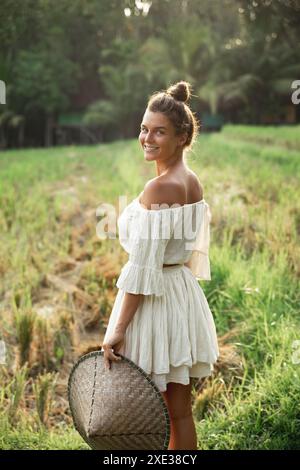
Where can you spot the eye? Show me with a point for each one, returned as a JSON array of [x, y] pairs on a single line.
[[160, 132]]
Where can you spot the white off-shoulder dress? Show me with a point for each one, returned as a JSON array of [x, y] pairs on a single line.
[[172, 335]]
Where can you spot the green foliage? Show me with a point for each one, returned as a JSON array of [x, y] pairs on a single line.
[[250, 180], [241, 65], [25, 321], [266, 418], [43, 388], [43, 80], [285, 136], [15, 391], [18, 437]]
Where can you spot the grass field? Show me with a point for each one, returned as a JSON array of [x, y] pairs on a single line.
[[58, 283]]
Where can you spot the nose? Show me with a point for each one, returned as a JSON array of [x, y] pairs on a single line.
[[148, 139]]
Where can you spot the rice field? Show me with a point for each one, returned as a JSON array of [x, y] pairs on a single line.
[[58, 283]]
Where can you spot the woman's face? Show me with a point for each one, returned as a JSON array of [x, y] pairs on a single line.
[[157, 137]]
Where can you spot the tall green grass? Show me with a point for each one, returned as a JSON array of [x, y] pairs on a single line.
[[285, 136], [250, 180]]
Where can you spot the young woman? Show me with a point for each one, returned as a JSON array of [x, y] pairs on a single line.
[[161, 319]]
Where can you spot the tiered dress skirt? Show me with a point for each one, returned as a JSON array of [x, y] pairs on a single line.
[[171, 337]]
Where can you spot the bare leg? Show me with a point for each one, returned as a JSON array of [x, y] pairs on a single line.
[[183, 434], [183, 431]]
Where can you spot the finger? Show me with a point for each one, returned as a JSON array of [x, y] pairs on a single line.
[[106, 360], [111, 355], [112, 358]]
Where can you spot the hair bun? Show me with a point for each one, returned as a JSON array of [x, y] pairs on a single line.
[[180, 91]]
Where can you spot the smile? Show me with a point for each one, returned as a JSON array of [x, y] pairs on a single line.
[[147, 147]]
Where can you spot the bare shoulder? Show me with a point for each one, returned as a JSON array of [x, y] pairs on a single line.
[[195, 187], [159, 192]]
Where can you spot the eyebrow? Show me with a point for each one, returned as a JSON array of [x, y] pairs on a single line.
[[159, 127]]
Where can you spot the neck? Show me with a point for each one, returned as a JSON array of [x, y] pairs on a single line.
[[166, 166]]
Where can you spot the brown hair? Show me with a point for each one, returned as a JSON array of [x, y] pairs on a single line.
[[172, 103]]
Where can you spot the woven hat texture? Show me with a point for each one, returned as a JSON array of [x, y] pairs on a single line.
[[117, 409]]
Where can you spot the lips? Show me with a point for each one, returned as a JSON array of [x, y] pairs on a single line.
[[150, 148]]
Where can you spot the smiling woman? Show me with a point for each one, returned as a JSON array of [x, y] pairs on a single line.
[[161, 319], [147, 146], [166, 124]]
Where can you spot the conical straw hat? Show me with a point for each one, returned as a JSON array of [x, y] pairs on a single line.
[[119, 408]]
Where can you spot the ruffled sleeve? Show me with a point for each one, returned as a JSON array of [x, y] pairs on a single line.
[[142, 274], [199, 262]]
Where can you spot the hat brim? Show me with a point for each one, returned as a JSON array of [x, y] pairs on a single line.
[[117, 409]]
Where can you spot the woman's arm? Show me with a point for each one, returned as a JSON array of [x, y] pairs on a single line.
[[129, 307], [116, 340]]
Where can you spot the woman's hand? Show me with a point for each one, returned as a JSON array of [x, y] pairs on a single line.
[[113, 344]]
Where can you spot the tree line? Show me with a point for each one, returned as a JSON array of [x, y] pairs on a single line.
[[104, 58]]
